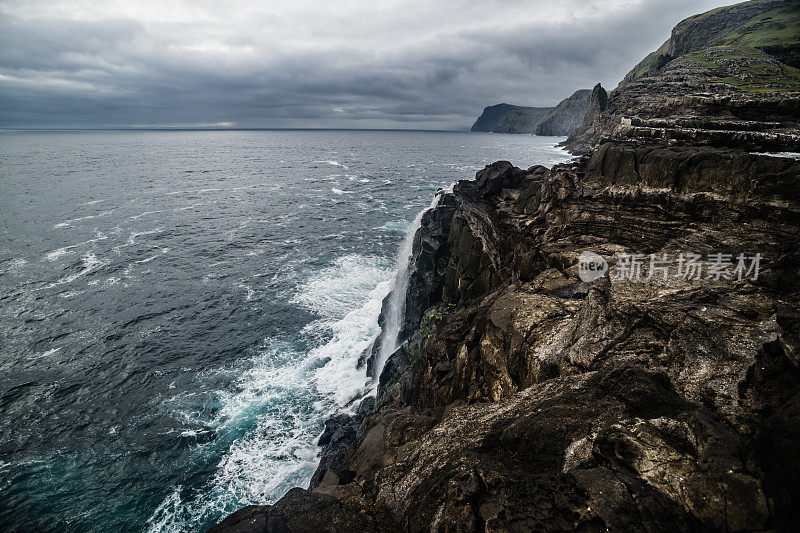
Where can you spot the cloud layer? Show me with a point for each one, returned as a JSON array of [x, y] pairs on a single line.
[[409, 64]]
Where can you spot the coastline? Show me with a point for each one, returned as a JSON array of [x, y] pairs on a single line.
[[577, 388], [610, 343]]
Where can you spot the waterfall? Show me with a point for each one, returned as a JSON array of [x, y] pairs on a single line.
[[396, 305]]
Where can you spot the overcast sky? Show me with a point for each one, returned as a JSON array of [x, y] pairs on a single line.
[[354, 64]]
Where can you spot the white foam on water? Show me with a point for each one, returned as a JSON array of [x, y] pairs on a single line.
[[397, 226], [68, 223], [136, 234], [275, 409], [14, 264], [336, 190], [55, 255], [166, 512], [90, 262], [70, 294], [61, 252], [338, 378], [45, 354], [192, 206], [334, 163], [250, 291], [345, 283]]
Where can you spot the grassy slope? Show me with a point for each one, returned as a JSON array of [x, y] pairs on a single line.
[[777, 26], [766, 25], [649, 65], [747, 69]]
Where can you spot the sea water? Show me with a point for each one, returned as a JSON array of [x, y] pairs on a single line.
[[180, 311]]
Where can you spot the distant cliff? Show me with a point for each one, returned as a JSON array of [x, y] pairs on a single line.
[[566, 116], [560, 120], [507, 118]]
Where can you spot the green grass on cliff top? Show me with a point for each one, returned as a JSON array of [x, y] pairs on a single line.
[[747, 69], [776, 25]]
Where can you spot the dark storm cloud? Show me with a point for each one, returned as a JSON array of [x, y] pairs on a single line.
[[352, 64]]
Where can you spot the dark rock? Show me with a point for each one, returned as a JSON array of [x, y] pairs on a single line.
[[525, 398], [250, 519], [302, 511], [584, 134], [340, 435], [695, 169]]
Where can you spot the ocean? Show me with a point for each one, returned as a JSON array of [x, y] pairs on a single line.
[[180, 311]]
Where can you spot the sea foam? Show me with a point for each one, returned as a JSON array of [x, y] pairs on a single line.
[[273, 415]]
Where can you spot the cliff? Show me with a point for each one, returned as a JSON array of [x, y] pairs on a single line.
[[610, 344], [726, 78], [527, 398], [769, 26], [507, 118], [566, 116], [558, 121]]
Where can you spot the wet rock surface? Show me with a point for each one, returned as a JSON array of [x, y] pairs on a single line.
[[527, 399]]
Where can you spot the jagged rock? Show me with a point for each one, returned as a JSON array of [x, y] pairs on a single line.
[[583, 135], [303, 511], [523, 397], [336, 441]]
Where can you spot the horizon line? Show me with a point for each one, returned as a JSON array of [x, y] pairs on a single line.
[[128, 128]]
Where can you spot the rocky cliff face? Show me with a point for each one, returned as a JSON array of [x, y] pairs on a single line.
[[558, 121], [566, 116], [659, 391], [724, 79], [529, 399], [585, 134]]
